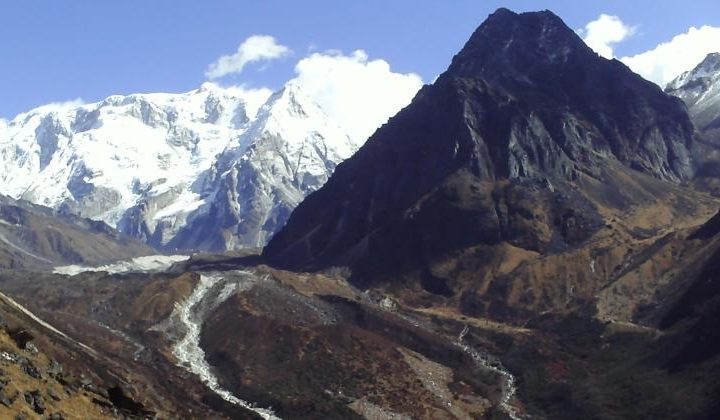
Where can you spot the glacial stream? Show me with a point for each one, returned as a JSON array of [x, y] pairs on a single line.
[[482, 360], [485, 361], [186, 325]]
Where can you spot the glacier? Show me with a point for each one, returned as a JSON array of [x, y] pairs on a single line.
[[222, 167]]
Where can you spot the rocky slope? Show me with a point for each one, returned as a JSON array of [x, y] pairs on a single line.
[[147, 163], [34, 384], [34, 237], [524, 250], [260, 343], [529, 138], [546, 200], [699, 88]]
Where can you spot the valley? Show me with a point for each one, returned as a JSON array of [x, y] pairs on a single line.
[[535, 236]]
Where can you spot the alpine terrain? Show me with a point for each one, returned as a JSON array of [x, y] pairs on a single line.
[[699, 88], [149, 164], [535, 236]]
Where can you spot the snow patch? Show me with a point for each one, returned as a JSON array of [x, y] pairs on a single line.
[[140, 264]]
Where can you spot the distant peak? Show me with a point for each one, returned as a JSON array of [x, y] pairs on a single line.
[[291, 99], [292, 93], [711, 61], [708, 67], [208, 87]]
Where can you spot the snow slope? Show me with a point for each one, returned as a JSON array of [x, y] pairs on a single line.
[[289, 151], [699, 88], [146, 163]]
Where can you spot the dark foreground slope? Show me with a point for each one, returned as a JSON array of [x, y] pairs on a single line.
[[529, 138], [35, 237]]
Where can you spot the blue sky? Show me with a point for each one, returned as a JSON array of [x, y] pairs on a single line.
[[60, 50]]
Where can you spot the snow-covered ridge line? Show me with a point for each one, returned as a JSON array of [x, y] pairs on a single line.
[[145, 264], [150, 165], [187, 319], [699, 88]]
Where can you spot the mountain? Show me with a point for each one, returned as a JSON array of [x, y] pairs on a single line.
[[287, 152], [528, 139], [699, 88], [537, 186], [33, 237], [146, 163], [523, 241]]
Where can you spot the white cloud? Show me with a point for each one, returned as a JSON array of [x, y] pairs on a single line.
[[255, 48], [359, 94], [604, 32], [670, 59]]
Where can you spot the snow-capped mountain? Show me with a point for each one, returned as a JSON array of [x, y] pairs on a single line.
[[147, 163], [287, 152], [699, 88]]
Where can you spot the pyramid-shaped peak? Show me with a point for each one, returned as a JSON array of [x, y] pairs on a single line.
[[510, 43]]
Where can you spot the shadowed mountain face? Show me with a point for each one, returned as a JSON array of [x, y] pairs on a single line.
[[528, 138]]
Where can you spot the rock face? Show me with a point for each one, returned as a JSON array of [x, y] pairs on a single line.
[[146, 163], [287, 152], [699, 88], [35, 237], [502, 147]]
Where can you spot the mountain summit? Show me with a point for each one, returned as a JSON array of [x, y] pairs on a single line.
[[150, 164], [699, 88], [529, 138], [287, 152]]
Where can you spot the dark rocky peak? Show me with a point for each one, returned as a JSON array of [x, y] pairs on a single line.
[[537, 66], [497, 149], [517, 46]]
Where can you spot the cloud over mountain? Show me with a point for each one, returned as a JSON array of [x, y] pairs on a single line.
[[357, 92], [253, 49]]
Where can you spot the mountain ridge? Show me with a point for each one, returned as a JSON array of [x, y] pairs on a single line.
[[486, 155], [148, 163], [699, 88]]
